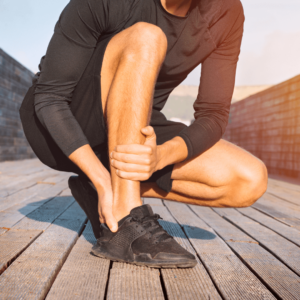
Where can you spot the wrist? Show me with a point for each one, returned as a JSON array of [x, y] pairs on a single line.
[[85, 158], [100, 177], [161, 151], [173, 151], [102, 181]]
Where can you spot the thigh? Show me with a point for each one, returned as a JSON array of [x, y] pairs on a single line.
[[221, 165]]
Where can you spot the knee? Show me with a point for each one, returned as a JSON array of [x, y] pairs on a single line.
[[253, 184], [148, 41]]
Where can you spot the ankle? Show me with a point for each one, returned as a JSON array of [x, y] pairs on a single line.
[[122, 209]]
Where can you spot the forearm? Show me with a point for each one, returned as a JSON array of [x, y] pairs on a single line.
[[202, 134], [55, 115], [171, 152], [85, 158]]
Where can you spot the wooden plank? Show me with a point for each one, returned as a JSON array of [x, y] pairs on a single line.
[[280, 247], [25, 194], [31, 275], [154, 202], [23, 168], [11, 182], [189, 283], [12, 166], [43, 189], [284, 206], [16, 185], [134, 283], [83, 275], [32, 170], [12, 215], [285, 194], [21, 196], [43, 216], [15, 162], [6, 180], [273, 273], [226, 211], [269, 205], [289, 233], [290, 186], [14, 171], [233, 279], [13, 243], [289, 195], [270, 211]]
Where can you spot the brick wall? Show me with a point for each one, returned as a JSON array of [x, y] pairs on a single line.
[[14, 82], [267, 124]]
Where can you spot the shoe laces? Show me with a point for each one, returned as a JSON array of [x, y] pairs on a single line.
[[152, 226]]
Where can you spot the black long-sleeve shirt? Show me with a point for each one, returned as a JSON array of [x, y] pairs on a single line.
[[210, 35]]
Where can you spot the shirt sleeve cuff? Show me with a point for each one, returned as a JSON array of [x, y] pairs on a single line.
[[188, 144], [74, 146]]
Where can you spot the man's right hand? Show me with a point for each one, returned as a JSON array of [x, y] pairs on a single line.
[[85, 158]]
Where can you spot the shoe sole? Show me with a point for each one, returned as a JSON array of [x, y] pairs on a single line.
[[154, 264]]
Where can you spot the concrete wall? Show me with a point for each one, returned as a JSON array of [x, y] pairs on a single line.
[[14, 82], [267, 124]]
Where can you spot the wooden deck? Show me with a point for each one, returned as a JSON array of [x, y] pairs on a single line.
[[45, 242]]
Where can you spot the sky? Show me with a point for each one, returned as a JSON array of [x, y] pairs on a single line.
[[270, 50]]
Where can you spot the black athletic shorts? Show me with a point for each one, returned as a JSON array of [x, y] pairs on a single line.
[[86, 106]]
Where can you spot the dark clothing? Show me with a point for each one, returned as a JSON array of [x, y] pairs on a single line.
[[68, 110], [87, 111], [210, 34]]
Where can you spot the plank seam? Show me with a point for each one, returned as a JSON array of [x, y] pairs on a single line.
[[272, 217], [260, 244], [66, 254], [24, 216], [25, 188], [83, 227], [29, 186], [279, 197], [18, 254], [49, 224], [43, 230], [244, 261], [262, 224], [18, 203], [108, 279], [163, 286], [238, 256], [252, 270], [59, 268], [182, 227]]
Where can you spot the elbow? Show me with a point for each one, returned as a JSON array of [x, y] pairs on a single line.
[[215, 120]]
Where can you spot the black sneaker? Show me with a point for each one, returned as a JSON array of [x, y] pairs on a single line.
[[141, 240]]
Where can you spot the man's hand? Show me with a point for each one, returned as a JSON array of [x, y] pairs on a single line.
[[137, 162], [105, 202], [85, 158]]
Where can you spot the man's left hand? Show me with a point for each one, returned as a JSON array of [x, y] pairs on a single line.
[[137, 162]]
